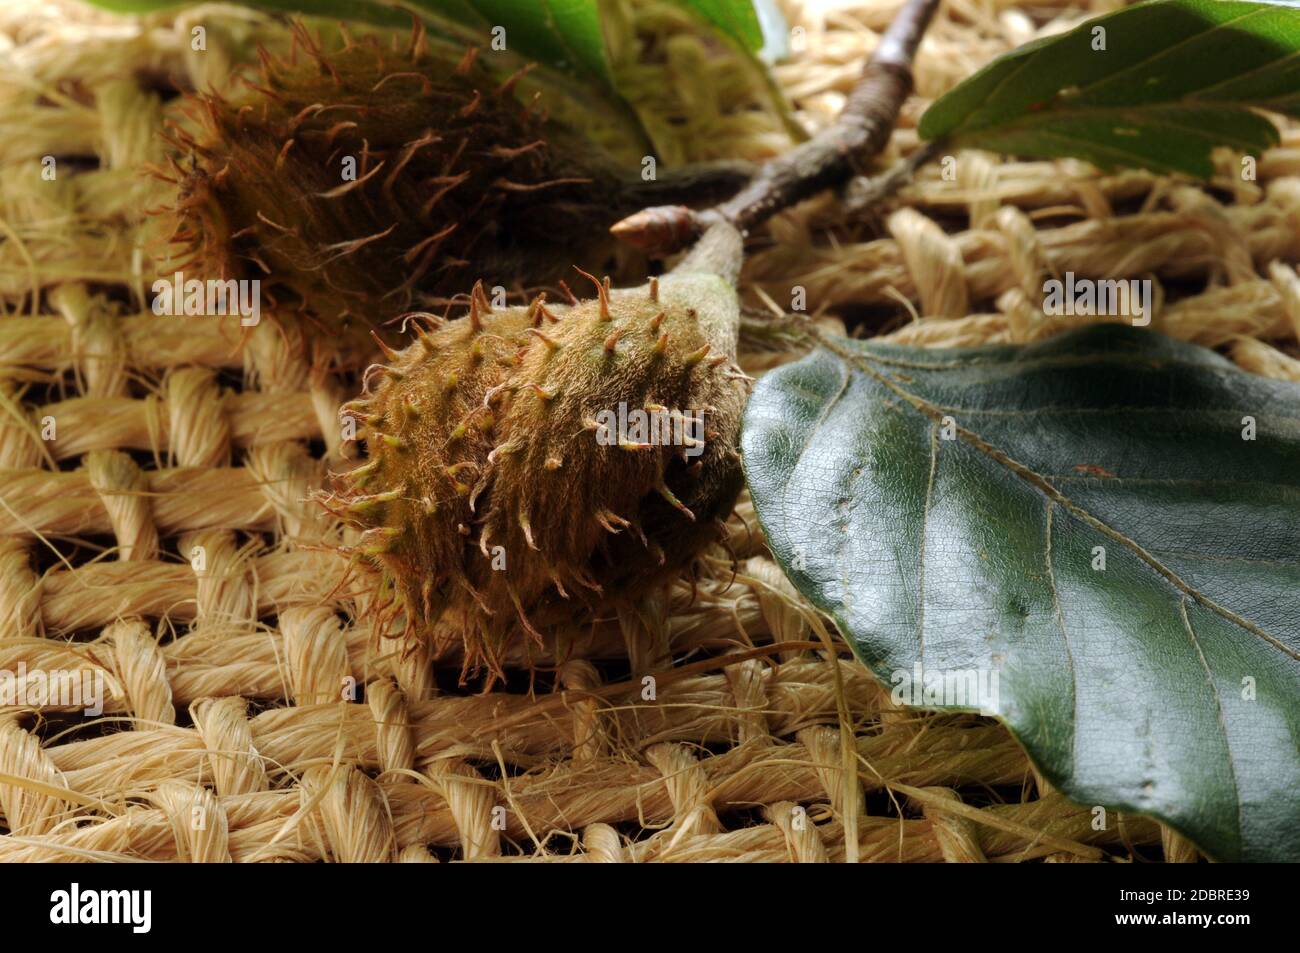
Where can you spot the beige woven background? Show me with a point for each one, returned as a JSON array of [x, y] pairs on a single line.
[[225, 736]]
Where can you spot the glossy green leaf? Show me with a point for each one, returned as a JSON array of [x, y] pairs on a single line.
[[1163, 680], [1175, 79]]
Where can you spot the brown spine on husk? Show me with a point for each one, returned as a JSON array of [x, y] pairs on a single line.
[[498, 497]]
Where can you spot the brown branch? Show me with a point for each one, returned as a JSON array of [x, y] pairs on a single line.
[[839, 151]]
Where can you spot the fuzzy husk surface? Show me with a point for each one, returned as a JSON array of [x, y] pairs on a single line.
[[493, 502], [358, 183]]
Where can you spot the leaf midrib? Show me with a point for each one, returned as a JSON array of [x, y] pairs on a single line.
[[1037, 123], [926, 408]]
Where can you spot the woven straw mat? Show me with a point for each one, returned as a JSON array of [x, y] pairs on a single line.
[[224, 736]]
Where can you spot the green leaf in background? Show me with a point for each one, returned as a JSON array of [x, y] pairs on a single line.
[[566, 36], [738, 20], [562, 34], [1166, 683], [1176, 79]]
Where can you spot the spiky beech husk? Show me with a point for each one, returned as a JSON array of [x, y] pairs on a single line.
[[452, 176], [498, 496]]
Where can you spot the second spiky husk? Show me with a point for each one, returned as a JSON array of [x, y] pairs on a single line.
[[354, 182], [497, 499]]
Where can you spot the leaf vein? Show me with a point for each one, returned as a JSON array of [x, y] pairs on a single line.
[[925, 531], [1218, 710], [921, 405], [1065, 638]]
